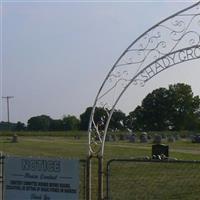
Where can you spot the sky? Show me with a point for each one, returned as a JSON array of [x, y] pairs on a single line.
[[56, 54]]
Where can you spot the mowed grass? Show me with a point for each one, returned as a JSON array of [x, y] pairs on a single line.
[[155, 180], [127, 181], [45, 146], [68, 147]]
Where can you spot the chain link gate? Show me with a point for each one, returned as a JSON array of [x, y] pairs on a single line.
[[152, 179]]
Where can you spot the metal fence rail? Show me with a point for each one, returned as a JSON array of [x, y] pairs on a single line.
[[136, 179]]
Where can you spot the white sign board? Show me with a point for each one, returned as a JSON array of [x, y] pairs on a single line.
[[41, 179]]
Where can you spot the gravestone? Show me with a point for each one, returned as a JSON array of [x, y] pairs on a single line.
[[109, 138], [177, 137], [121, 137], [171, 138], [196, 139], [132, 138], [15, 138], [77, 137], [160, 151], [143, 137], [149, 137], [163, 136], [157, 139], [114, 138]]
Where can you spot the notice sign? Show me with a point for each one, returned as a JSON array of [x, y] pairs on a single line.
[[41, 179]]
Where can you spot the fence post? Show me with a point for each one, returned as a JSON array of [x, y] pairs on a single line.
[[108, 179], [88, 178], [100, 178], [1, 174]]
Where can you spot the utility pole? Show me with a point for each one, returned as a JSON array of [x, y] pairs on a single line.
[[8, 111]]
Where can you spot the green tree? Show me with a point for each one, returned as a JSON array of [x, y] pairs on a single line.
[[117, 121], [7, 126], [100, 117], [155, 108], [85, 118], [39, 123], [71, 123], [134, 121], [56, 125], [174, 108], [184, 107], [20, 126]]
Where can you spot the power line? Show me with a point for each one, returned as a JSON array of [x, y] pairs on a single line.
[[8, 110]]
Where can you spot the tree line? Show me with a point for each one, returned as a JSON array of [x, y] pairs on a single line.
[[173, 108]]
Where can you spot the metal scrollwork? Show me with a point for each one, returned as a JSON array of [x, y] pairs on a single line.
[[172, 41]]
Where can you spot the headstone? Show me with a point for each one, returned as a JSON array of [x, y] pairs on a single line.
[[15, 138], [171, 138], [149, 137], [163, 136], [108, 138], [132, 138], [77, 137], [177, 137], [196, 139], [114, 138], [143, 137], [127, 136], [121, 137], [160, 151], [157, 139]]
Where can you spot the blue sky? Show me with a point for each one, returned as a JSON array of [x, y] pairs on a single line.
[[55, 55]]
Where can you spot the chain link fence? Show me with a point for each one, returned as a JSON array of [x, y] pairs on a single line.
[[136, 179]]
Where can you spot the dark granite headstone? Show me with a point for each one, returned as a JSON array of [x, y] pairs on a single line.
[[196, 139], [160, 150]]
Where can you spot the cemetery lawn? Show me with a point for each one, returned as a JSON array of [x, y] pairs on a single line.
[[68, 147]]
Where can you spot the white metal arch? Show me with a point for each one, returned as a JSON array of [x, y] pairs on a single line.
[[174, 40]]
